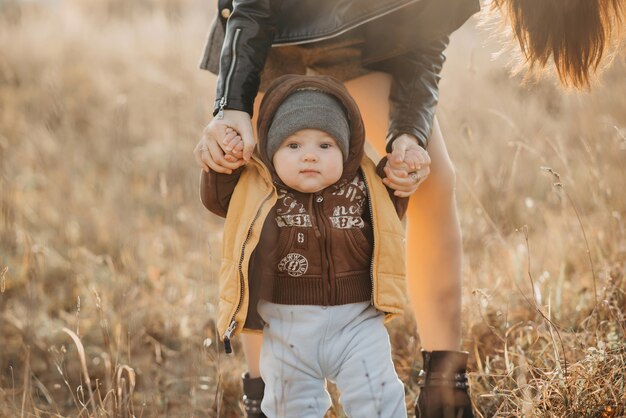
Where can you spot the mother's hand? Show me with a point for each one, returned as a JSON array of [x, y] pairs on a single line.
[[407, 167], [214, 149]]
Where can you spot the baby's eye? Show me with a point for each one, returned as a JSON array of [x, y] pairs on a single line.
[[293, 145], [325, 146]]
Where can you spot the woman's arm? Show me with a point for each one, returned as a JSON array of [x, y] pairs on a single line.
[[248, 38], [413, 98], [415, 91], [249, 33]]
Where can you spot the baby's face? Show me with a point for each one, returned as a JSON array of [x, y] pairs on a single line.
[[309, 161]]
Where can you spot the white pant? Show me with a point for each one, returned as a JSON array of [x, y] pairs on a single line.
[[348, 344]]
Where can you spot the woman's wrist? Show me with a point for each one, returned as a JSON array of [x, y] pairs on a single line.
[[393, 135], [411, 137]]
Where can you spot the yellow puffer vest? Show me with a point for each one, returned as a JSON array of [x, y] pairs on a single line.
[[250, 204]]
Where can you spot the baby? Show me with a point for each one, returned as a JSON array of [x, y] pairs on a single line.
[[313, 254]]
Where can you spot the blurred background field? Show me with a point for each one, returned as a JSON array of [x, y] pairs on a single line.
[[108, 261]]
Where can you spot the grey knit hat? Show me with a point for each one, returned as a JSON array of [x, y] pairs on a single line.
[[309, 109]]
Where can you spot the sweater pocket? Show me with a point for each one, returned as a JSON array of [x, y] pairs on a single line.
[[351, 251], [284, 243]]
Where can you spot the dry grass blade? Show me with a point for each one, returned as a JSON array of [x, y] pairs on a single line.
[[83, 365], [125, 397], [558, 186], [3, 279], [25, 391]]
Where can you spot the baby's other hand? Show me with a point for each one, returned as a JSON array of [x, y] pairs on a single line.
[[233, 145], [403, 182], [407, 166]]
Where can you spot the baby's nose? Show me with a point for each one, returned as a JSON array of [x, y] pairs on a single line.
[[310, 156]]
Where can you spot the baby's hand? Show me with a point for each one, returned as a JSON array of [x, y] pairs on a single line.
[[407, 166], [233, 146]]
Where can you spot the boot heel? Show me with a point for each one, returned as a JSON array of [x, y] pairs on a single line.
[[253, 396]]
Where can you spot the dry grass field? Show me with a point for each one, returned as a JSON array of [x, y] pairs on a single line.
[[107, 259]]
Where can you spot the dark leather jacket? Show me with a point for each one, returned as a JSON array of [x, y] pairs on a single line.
[[405, 38]]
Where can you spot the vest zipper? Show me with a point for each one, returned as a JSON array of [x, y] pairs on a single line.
[[232, 326], [231, 70], [369, 204]]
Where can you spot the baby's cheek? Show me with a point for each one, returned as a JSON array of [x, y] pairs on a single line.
[[286, 173], [337, 170], [337, 175]]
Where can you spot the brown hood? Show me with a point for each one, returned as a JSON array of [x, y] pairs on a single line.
[[283, 86]]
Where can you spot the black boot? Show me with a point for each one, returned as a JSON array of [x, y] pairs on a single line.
[[443, 386], [252, 396]]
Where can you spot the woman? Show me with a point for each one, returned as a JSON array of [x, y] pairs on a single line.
[[389, 54]]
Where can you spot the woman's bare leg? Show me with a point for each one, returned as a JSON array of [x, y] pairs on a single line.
[[433, 232], [251, 345]]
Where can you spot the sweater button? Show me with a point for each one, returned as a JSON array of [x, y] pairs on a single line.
[[225, 13], [319, 199]]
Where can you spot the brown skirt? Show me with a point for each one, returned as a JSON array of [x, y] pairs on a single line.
[[339, 57]]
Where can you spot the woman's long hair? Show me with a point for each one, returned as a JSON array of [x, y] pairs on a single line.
[[575, 33]]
